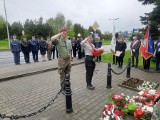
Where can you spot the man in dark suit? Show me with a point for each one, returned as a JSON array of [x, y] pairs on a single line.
[[135, 45], [26, 49]]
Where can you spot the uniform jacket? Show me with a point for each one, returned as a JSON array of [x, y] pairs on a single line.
[[43, 47], [34, 45], [157, 47], [26, 46], [15, 46]]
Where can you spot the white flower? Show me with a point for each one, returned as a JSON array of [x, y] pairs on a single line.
[[147, 108], [141, 93], [109, 113], [107, 118], [152, 92]]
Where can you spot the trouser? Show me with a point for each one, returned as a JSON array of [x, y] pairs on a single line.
[[49, 53], [16, 57], [74, 51], [90, 66], [26, 57], [120, 61], [99, 58], [64, 67], [135, 55], [35, 56], [79, 53], [114, 59], [146, 63], [157, 61]]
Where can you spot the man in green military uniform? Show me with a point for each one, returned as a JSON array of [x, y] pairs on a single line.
[[64, 48]]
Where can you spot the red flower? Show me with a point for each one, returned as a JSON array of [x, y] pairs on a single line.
[[119, 113], [138, 113], [118, 103]]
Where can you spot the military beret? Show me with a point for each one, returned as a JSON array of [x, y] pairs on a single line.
[[63, 30]]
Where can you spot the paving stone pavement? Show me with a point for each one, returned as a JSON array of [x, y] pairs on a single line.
[[28, 94]]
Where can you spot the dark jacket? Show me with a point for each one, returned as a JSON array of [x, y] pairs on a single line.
[[15, 46], [26, 46], [34, 45], [43, 47], [121, 46], [157, 47], [136, 46]]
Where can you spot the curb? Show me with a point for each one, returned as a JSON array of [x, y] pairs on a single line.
[[33, 73]]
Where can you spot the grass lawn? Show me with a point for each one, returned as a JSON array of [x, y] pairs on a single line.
[[4, 45], [107, 57], [106, 42]]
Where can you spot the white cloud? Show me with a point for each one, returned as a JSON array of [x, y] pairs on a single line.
[[85, 12]]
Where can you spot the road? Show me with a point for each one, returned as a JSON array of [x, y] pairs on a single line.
[[6, 57]]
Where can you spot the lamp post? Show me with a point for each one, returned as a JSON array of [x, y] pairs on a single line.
[[6, 23], [113, 34], [113, 42]]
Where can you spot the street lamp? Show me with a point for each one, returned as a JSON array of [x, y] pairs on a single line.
[[113, 34], [6, 23]]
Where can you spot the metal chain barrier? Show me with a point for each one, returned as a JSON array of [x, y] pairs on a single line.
[[120, 72], [16, 117]]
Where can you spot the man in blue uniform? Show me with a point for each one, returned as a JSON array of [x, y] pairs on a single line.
[[16, 49], [157, 54], [26, 48], [34, 48]]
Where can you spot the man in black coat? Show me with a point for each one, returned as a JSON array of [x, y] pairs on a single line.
[[26, 49]]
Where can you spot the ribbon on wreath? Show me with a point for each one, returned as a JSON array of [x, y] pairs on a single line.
[[109, 111]]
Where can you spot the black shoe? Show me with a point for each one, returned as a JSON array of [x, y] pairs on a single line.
[[132, 66], [115, 63], [90, 87]]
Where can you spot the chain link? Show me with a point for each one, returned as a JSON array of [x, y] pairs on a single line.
[[120, 72], [16, 117]]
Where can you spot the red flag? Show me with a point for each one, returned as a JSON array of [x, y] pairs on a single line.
[[144, 46]]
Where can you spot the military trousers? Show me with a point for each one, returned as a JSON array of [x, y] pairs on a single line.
[[64, 67], [16, 57]]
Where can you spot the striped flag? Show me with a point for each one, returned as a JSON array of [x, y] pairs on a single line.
[[146, 48]]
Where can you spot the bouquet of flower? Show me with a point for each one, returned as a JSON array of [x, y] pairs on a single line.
[[111, 113], [151, 96], [143, 113]]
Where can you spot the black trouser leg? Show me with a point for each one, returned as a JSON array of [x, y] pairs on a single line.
[[114, 59], [90, 66]]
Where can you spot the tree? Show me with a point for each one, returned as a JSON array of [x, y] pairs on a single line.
[[153, 17], [78, 29], [58, 23], [29, 28], [16, 28], [69, 24], [3, 30]]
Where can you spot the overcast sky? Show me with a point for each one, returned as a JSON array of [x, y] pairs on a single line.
[[85, 12]]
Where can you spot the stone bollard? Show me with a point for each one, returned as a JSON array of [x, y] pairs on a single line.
[[109, 77], [68, 94], [128, 68]]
